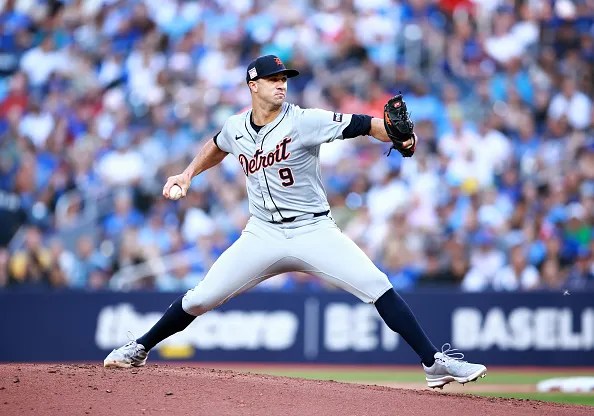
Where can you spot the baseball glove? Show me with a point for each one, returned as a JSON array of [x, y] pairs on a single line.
[[399, 126]]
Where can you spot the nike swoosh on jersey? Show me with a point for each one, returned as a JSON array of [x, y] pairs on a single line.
[[238, 137]]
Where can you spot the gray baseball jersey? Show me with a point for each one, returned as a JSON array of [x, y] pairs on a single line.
[[281, 161], [282, 168]]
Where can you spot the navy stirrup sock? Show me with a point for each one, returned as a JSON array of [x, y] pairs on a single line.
[[399, 318], [174, 319]]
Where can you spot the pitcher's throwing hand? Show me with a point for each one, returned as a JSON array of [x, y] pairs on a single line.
[[181, 180]]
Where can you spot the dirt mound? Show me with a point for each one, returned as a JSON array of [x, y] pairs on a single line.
[[68, 389]]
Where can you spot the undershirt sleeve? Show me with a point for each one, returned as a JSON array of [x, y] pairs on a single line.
[[360, 125], [214, 139], [221, 139]]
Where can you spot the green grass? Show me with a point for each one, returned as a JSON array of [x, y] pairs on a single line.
[[350, 376], [493, 377], [570, 398], [407, 376]]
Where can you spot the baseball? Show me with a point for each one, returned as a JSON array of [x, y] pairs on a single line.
[[175, 192]]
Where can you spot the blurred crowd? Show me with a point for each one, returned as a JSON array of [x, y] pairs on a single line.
[[102, 100]]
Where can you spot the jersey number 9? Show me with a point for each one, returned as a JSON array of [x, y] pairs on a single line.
[[287, 176]]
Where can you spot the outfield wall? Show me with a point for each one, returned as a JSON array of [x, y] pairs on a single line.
[[542, 329]]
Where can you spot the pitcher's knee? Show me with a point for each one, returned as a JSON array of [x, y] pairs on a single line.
[[196, 302], [368, 286], [377, 285]]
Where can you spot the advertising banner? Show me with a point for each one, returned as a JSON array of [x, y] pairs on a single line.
[[541, 329]]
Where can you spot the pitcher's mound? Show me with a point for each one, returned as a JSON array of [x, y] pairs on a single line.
[[66, 389]]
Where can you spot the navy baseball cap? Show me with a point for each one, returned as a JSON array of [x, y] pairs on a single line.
[[267, 65]]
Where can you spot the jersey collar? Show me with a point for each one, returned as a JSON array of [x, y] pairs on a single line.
[[268, 126]]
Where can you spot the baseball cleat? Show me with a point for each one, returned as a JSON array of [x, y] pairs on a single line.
[[130, 355], [449, 367]]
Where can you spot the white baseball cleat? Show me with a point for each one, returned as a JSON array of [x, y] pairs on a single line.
[[449, 367], [130, 355]]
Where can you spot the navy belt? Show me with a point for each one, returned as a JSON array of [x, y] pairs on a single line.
[[304, 216]]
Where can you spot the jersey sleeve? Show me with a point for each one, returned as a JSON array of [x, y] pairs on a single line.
[[222, 140], [318, 126]]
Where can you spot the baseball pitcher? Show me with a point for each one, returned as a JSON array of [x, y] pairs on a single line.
[[277, 145]]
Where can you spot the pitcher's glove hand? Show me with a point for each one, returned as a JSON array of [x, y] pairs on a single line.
[[399, 126]]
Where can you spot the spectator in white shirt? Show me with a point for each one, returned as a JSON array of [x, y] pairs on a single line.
[[122, 166], [518, 274], [504, 45], [493, 148], [40, 62], [460, 140], [37, 125], [485, 260], [572, 104]]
